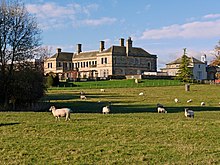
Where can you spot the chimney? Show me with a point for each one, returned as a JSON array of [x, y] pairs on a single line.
[[102, 46], [128, 46], [122, 42], [58, 50], [79, 48]]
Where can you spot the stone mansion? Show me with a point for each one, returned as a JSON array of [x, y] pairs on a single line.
[[116, 61]]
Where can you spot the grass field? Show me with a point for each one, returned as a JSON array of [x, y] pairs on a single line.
[[132, 134], [119, 84]]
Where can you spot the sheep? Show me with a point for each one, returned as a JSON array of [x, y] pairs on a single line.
[[106, 109], [176, 100], [189, 113], [141, 94], [202, 103], [189, 101], [102, 90], [160, 108], [82, 97], [82, 93], [63, 112]]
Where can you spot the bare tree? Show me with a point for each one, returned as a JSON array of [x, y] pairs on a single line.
[[19, 38]]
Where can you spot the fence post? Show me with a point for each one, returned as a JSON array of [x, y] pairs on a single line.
[[187, 87]]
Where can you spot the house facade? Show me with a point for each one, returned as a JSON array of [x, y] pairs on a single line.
[[118, 60], [198, 67]]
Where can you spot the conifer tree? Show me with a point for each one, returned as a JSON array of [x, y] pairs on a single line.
[[184, 73]]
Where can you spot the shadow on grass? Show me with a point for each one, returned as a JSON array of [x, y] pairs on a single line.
[[86, 106], [8, 124]]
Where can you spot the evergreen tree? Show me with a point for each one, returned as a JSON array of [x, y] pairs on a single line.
[[184, 73]]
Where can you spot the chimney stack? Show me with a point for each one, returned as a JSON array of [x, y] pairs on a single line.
[[58, 50], [102, 46], [122, 42], [128, 46], [79, 48]]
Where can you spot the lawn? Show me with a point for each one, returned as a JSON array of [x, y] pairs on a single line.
[[132, 134]]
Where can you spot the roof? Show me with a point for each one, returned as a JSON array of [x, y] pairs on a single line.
[[63, 56], [192, 60], [121, 50], [86, 54]]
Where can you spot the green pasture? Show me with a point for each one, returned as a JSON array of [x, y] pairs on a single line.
[[133, 133], [119, 84]]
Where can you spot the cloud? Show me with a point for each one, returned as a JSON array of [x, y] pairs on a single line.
[[212, 16], [52, 15], [98, 22], [197, 29]]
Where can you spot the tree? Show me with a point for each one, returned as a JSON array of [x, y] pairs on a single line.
[[216, 61], [184, 73], [19, 39]]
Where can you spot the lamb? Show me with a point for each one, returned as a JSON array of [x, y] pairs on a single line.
[[189, 101], [106, 110], [160, 108], [202, 103], [63, 112], [82, 97], [176, 100], [141, 94], [102, 90], [189, 113]]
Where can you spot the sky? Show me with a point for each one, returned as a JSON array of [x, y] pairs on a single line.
[[161, 27]]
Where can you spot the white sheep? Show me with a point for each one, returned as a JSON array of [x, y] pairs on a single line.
[[160, 108], [141, 94], [63, 112], [82, 97], [202, 103], [189, 101], [102, 90], [176, 100], [106, 110], [189, 113]]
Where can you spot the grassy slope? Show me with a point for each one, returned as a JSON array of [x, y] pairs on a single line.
[[123, 137]]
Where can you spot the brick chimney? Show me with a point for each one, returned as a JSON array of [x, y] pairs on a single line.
[[79, 48], [128, 46], [102, 46], [121, 41]]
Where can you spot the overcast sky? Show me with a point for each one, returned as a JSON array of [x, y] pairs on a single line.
[[161, 27]]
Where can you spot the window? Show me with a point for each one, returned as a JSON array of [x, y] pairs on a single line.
[[149, 65], [49, 65], [102, 60], [106, 60]]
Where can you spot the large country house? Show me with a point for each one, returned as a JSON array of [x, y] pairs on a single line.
[[198, 67], [119, 60]]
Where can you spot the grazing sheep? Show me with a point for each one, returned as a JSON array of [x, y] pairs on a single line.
[[63, 112], [189, 113], [82, 97], [102, 90], [202, 103], [160, 108], [106, 109], [141, 94], [176, 100], [189, 101]]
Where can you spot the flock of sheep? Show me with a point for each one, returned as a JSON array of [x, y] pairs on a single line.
[[65, 112]]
